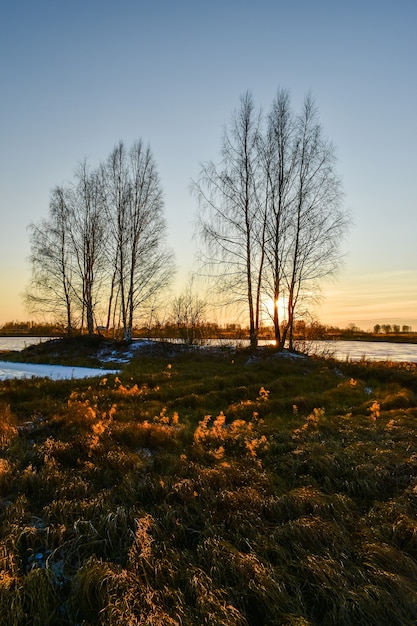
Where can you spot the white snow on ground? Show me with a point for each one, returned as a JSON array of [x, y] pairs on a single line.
[[125, 354], [54, 372]]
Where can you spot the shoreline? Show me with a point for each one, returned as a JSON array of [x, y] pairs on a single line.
[[380, 338]]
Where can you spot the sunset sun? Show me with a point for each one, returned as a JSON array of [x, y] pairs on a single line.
[[282, 307]]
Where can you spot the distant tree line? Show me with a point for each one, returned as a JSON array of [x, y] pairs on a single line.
[[187, 321], [391, 328], [101, 251], [36, 329]]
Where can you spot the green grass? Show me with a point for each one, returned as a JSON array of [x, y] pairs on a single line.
[[211, 488]]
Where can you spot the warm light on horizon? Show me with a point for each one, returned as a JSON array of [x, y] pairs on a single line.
[[362, 299], [365, 299], [282, 308]]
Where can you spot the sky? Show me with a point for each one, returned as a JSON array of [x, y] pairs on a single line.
[[78, 77]]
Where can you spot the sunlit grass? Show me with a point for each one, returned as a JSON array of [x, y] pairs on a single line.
[[211, 488]]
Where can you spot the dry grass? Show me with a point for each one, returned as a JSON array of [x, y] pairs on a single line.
[[211, 489]]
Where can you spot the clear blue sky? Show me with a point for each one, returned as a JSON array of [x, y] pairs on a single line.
[[77, 77]]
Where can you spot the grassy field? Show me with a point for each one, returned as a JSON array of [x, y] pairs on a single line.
[[211, 488]]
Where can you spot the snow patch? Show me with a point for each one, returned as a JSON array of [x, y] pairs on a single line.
[[10, 369]]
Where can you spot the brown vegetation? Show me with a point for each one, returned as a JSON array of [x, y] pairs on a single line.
[[204, 487]]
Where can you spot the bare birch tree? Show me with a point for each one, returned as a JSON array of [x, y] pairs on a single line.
[[279, 160], [51, 289], [231, 220], [270, 214], [143, 265], [103, 245], [316, 221], [88, 239]]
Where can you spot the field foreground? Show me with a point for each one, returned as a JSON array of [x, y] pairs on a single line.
[[211, 488]]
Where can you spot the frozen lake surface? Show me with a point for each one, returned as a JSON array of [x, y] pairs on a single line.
[[341, 350], [368, 350], [9, 369], [54, 372], [19, 343]]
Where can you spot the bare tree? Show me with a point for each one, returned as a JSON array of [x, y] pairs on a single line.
[[316, 221], [51, 288], [134, 202], [279, 159], [188, 313], [88, 240], [103, 244], [231, 221], [270, 214]]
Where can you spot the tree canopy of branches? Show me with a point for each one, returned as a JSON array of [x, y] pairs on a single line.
[[230, 223], [271, 218], [102, 251]]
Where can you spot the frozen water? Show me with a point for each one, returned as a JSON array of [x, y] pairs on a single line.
[[54, 372]]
